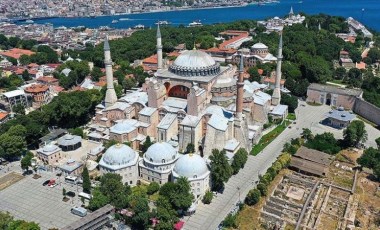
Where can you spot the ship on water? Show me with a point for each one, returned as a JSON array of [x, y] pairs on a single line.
[[123, 19], [162, 23], [114, 21], [139, 27], [29, 21], [195, 23]]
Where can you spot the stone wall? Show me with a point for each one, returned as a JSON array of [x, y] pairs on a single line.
[[367, 110]]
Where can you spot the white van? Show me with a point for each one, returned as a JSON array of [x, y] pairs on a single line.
[[79, 211]]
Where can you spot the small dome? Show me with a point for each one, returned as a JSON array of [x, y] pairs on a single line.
[[123, 127], [118, 154], [259, 46], [49, 148], [194, 59], [69, 137], [190, 166], [160, 152]]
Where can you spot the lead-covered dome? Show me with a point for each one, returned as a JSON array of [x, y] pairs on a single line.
[[194, 63], [190, 166], [160, 152], [119, 155]]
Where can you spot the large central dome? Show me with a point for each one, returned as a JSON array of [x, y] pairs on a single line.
[[194, 63]]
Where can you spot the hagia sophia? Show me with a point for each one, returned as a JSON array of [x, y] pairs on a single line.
[[193, 100]]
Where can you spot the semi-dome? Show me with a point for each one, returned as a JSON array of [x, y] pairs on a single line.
[[190, 166], [160, 152], [194, 63], [124, 127], [117, 155], [259, 46]]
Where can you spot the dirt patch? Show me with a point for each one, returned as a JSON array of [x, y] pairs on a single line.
[[9, 179]]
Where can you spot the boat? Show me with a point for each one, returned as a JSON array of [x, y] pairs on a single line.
[[29, 21], [123, 19], [139, 26], [114, 21], [195, 23], [162, 23]]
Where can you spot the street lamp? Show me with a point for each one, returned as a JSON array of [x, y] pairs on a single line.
[[238, 188]]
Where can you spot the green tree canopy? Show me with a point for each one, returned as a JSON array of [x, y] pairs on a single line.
[[221, 170], [355, 134]]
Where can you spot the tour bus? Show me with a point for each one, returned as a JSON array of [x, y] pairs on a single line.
[[85, 195], [71, 179], [79, 211]]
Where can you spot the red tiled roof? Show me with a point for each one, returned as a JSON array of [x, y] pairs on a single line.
[[360, 65], [232, 40], [47, 79], [37, 88], [151, 60], [221, 50], [16, 53], [53, 65], [3, 115]]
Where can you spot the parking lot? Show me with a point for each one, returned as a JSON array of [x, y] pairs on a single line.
[[29, 200]]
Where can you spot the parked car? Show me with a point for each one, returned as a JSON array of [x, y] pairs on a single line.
[[53, 185], [46, 183], [70, 194]]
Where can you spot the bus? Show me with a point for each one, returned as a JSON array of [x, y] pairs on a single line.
[[71, 179], [85, 195], [79, 211]]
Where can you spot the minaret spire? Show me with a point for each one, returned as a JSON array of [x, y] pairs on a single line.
[[159, 48], [291, 13], [276, 97], [111, 97], [240, 89]]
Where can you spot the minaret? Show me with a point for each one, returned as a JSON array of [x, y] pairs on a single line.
[[291, 13], [159, 48], [276, 97], [319, 26], [111, 97], [240, 89]]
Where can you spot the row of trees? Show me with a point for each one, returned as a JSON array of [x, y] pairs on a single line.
[[67, 110], [9, 223], [371, 159], [173, 199], [221, 170]]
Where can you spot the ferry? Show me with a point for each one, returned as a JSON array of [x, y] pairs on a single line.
[[195, 23], [162, 23], [123, 19], [29, 21], [114, 21], [139, 26]]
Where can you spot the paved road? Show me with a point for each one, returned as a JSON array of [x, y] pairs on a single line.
[[210, 216]]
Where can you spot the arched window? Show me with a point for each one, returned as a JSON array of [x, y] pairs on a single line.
[[163, 160], [195, 176], [151, 160]]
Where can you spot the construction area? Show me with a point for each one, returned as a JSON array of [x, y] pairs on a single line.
[[344, 198]]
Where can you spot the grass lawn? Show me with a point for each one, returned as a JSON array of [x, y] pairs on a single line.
[[268, 138], [314, 103], [291, 116]]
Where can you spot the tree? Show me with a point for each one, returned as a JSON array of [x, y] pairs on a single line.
[[13, 146], [376, 171], [86, 181], [77, 131], [153, 188], [263, 189], [26, 76], [146, 144], [239, 160], [289, 100], [254, 74], [340, 73], [140, 209], [369, 158], [324, 142], [230, 221], [207, 197], [178, 194], [355, 134], [112, 187], [221, 170], [253, 197], [22, 225], [17, 130], [96, 73], [18, 109], [378, 142], [5, 220], [307, 134], [98, 200], [165, 214], [354, 77], [26, 161], [190, 148]]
